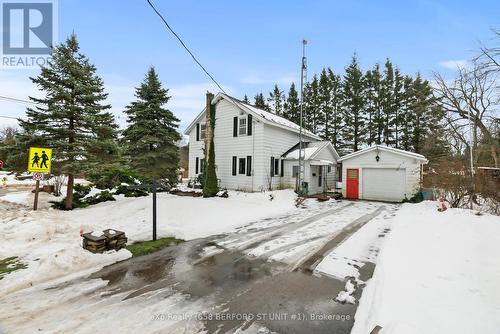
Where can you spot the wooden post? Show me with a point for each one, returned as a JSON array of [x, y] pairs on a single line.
[[154, 208], [35, 203]]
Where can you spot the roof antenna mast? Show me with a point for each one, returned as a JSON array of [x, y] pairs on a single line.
[[303, 80]]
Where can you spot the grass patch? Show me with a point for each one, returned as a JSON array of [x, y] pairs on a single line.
[[9, 265], [148, 247]]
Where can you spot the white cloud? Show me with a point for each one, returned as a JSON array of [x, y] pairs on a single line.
[[454, 64]]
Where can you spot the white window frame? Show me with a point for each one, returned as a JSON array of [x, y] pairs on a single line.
[[242, 128], [203, 131], [298, 170]]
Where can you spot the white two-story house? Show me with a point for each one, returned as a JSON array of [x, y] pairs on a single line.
[[256, 150]]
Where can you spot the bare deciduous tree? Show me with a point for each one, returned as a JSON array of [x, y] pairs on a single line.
[[472, 94]]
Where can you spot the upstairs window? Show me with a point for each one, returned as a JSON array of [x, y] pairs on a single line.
[[243, 126], [203, 131]]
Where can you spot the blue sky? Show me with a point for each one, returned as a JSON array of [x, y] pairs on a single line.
[[250, 45]]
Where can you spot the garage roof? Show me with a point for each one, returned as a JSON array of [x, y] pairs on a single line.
[[387, 149]]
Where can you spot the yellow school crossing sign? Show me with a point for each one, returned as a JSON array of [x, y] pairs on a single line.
[[39, 160]]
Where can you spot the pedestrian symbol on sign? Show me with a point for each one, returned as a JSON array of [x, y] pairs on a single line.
[[39, 160]]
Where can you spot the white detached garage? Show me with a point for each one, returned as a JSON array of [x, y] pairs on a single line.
[[381, 173]]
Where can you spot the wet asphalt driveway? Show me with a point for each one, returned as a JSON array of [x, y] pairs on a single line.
[[248, 290]]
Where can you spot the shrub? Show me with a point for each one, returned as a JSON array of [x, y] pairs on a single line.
[[79, 192], [113, 177], [129, 192], [103, 196]]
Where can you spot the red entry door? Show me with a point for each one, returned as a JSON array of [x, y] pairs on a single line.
[[352, 190]]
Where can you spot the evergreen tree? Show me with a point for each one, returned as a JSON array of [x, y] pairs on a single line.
[[210, 186], [276, 101], [388, 106], [245, 99], [310, 112], [406, 113], [292, 105], [353, 131], [335, 119], [151, 135], [374, 106], [260, 102], [325, 105], [71, 117], [398, 96], [425, 113]]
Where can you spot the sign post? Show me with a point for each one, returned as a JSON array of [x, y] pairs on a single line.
[[39, 163]]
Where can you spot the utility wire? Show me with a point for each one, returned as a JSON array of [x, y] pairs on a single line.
[[1, 116], [13, 99], [184, 46]]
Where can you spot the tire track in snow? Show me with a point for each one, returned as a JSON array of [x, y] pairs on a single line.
[[265, 236]]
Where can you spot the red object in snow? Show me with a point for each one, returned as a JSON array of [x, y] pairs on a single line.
[[81, 231], [443, 204]]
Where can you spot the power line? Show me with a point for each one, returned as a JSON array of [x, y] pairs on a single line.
[[13, 99], [1, 116], [185, 47]]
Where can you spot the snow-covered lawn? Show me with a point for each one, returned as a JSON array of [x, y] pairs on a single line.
[[49, 240], [437, 272]]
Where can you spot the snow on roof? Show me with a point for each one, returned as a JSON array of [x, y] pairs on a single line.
[[272, 117], [306, 153], [309, 150], [384, 148], [264, 115]]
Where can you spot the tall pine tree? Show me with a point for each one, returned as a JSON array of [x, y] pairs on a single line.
[[311, 111], [260, 102], [276, 101], [353, 131], [72, 117], [151, 135], [325, 105], [292, 105], [374, 106]]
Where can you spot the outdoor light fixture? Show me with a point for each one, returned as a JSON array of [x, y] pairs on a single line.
[[377, 158]]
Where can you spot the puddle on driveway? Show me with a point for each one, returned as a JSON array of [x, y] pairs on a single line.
[[244, 288]]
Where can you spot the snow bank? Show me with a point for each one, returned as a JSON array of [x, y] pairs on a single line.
[[49, 240], [438, 272], [182, 216]]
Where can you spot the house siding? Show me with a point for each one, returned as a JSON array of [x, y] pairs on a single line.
[[277, 141], [265, 142]]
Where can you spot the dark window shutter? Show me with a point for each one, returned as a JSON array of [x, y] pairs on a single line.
[[197, 132], [282, 171], [249, 125], [272, 166], [196, 167], [249, 165], [234, 166], [235, 127]]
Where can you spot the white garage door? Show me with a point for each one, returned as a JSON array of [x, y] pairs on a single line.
[[384, 184]]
